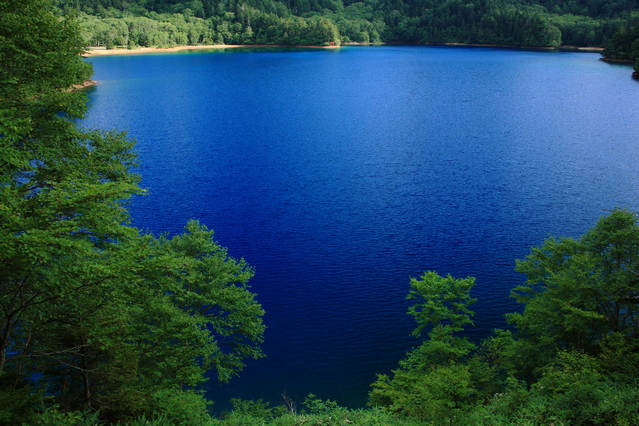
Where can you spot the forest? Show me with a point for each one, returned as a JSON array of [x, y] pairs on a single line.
[[624, 47], [164, 23], [528, 23], [101, 323]]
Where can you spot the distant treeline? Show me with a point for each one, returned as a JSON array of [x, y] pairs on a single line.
[[321, 22]]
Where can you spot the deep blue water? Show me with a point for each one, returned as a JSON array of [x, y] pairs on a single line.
[[339, 174]]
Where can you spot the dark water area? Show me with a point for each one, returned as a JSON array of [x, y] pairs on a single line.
[[338, 174]]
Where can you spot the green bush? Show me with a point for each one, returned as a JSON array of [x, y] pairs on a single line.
[[178, 407]]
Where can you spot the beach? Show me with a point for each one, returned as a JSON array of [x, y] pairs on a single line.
[[102, 51]]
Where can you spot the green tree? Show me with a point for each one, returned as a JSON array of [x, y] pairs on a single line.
[[579, 292], [433, 382], [624, 45], [61, 188], [574, 342], [61, 196], [94, 315], [575, 389]]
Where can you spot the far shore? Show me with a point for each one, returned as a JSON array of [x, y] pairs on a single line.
[[562, 48], [102, 51]]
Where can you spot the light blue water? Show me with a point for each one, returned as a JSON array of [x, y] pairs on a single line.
[[338, 174]]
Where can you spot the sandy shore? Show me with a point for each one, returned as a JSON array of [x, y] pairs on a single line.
[[582, 49], [102, 51]]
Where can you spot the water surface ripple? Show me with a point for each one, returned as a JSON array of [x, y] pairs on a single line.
[[338, 174]]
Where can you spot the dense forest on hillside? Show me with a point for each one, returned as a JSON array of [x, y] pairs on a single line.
[[316, 22]]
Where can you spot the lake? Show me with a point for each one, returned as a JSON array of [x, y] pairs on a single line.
[[338, 174]]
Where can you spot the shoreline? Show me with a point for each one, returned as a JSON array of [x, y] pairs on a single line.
[[81, 86], [102, 51], [93, 51], [562, 48], [618, 61]]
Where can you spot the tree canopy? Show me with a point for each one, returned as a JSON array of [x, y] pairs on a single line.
[[572, 357], [624, 47], [161, 23], [432, 383], [95, 315]]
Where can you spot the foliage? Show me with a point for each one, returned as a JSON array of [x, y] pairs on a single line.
[[433, 383], [441, 303], [572, 391], [61, 190], [329, 415], [318, 406], [52, 416], [249, 27], [624, 46], [113, 23], [94, 315], [186, 408], [572, 358], [578, 292], [254, 410]]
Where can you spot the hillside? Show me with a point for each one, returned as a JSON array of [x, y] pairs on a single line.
[[532, 23]]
